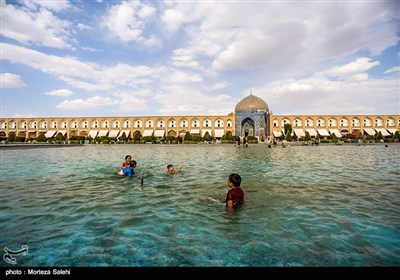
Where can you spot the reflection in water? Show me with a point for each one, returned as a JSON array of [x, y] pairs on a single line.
[[307, 206]]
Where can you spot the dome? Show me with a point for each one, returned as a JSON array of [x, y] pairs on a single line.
[[251, 103]]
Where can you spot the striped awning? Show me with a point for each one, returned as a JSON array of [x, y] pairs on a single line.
[[195, 131]]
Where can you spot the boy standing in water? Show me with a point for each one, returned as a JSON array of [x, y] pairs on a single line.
[[235, 196]]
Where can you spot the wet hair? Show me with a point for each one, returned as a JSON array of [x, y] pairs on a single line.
[[128, 156], [235, 179], [169, 165], [133, 163]]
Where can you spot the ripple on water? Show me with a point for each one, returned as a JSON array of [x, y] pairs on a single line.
[[304, 206]]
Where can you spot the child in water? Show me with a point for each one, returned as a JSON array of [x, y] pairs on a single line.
[[128, 167], [171, 169], [235, 195]]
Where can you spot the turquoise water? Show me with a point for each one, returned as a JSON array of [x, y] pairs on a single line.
[[304, 206]]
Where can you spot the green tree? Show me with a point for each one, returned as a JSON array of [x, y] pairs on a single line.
[[396, 136], [288, 127], [228, 136], [208, 137], [12, 136], [188, 136], [122, 137], [334, 137], [137, 136], [41, 137], [60, 137], [307, 137], [288, 136]]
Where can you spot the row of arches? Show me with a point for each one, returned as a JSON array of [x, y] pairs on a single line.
[[116, 124], [336, 122]]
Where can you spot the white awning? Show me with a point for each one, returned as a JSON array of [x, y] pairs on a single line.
[[182, 133], [218, 133], [93, 133], [113, 133], [147, 132], [127, 132], [195, 131], [369, 131], [159, 133], [323, 132], [203, 132], [336, 131], [383, 131], [299, 132], [103, 133], [311, 131], [392, 130], [277, 133], [50, 133]]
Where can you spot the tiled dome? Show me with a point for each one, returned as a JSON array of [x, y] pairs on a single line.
[[251, 103]]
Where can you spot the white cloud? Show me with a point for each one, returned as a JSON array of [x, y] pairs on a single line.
[[9, 80], [59, 92], [83, 75], [90, 103], [360, 65], [128, 20], [392, 70], [57, 6], [182, 77], [221, 85], [44, 28]]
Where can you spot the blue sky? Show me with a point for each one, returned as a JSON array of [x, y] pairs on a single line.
[[132, 58]]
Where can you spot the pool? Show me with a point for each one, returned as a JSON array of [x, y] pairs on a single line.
[[304, 206]]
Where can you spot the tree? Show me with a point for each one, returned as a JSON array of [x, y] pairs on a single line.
[[307, 137], [41, 137], [188, 136], [137, 136], [122, 137], [288, 127], [334, 137], [11, 137], [228, 136], [208, 137], [288, 136], [396, 136], [60, 137]]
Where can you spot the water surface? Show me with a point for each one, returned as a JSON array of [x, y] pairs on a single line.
[[304, 206]]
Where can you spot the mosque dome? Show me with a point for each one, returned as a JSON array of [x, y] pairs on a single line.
[[251, 103]]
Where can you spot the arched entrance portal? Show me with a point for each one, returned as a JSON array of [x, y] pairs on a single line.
[[248, 127]]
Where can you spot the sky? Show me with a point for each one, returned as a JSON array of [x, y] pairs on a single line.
[[65, 58]]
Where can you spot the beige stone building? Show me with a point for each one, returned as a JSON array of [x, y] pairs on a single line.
[[252, 117]]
